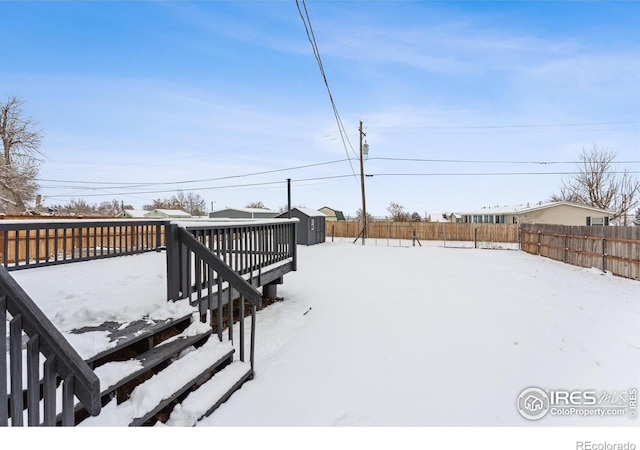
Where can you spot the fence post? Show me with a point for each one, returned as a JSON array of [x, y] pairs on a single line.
[[475, 238], [388, 232], [413, 237], [566, 248], [539, 233], [333, 228], [444, 235], [604, 254], [519, 238]]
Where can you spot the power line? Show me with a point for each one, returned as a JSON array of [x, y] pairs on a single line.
[[111, 185], [316, 52], [335, 177], [209, 188], [473, 127], [477, 161], [477, 174]]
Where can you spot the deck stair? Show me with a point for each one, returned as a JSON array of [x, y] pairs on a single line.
[[156, 381], [153, 370]]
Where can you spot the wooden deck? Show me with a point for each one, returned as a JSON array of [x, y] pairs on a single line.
[[135, 319]]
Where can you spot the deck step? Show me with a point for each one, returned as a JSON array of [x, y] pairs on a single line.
[[159, 391], [114, 375], [198, 403], [152, 396], [132, 334]]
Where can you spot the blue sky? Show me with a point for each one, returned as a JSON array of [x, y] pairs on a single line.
[[140, 99]]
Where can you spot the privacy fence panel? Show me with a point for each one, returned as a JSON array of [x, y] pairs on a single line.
[[427, 231], [613, 249]]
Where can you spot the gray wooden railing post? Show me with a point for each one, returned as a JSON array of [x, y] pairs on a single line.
[[173, 261], [4, 413], [159, 235], [294, 246]]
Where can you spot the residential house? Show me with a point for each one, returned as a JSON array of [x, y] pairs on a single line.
[[133, 213], [243, 213], [332, 215], [167, 214], [558, 213]]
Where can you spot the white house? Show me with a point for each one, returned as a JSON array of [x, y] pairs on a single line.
[[557, 213]]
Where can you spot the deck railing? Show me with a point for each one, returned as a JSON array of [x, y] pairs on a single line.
[[49, 360], [27, 244], [214, 265], [248, 248], [217, 266]]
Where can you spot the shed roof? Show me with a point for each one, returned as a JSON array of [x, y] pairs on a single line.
[[247, 210], [309, 212], [172, 212], [135, 212]]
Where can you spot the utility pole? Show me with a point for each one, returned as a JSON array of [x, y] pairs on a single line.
[[364, 203]]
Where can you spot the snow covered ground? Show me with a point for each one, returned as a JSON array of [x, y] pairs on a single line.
[[397, 335], [429, 336]]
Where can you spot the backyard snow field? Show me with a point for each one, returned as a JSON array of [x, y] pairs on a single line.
[[396, 336], [430, 336]]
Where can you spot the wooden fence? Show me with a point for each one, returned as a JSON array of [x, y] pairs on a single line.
[[613, 249], [428, 231]]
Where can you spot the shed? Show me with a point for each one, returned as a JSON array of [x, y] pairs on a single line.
[[243, 213], [312, 226]]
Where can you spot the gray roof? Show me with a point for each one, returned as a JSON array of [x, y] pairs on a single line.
[[310, 212], [523, 208], [135, 212]]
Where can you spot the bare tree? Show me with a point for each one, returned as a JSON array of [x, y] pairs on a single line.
[[189, 202], [20, 164], [397, 212], [598, 182], [163, 203], [257, 204], [112, 208], [285, 208], [359, 216], [636, 218]]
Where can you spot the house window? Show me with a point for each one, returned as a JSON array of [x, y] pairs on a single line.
[[597, 221], [313, 224]]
